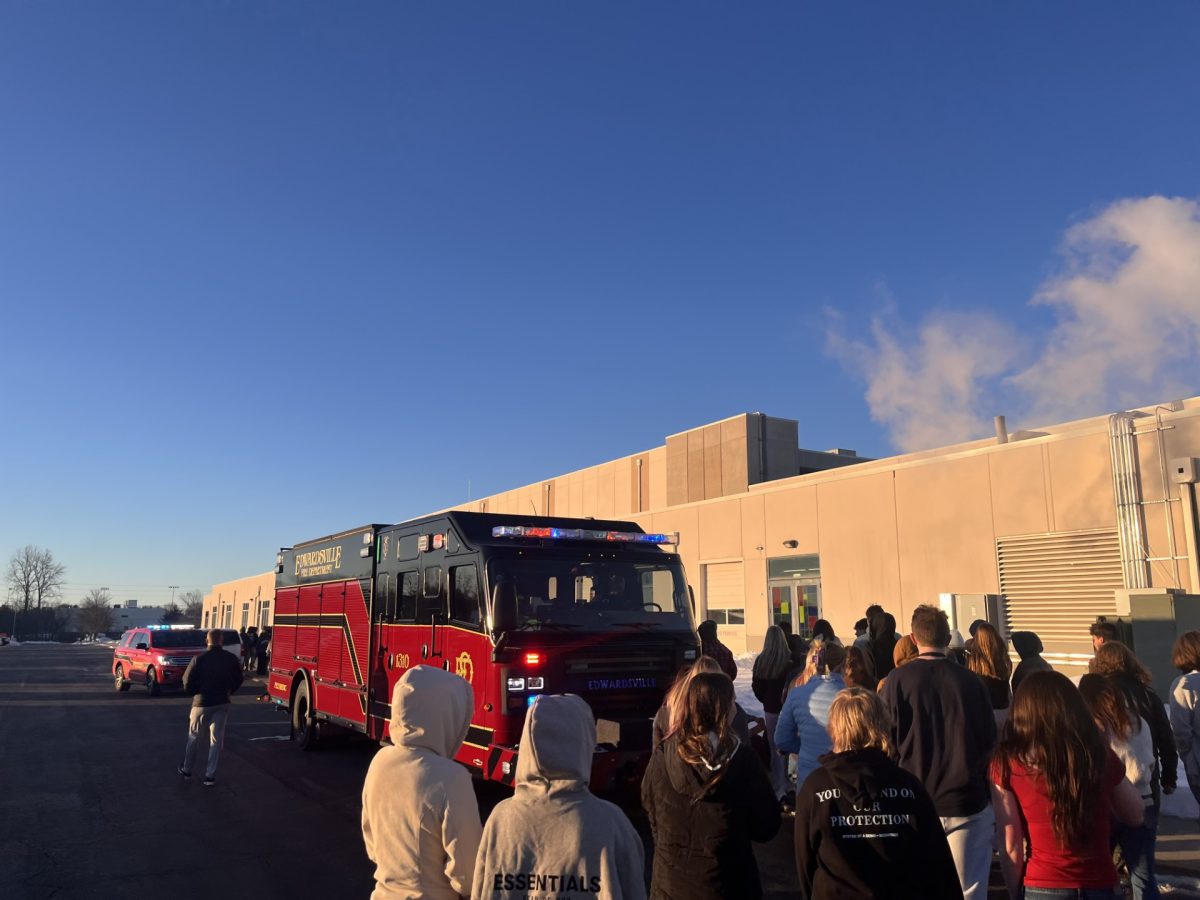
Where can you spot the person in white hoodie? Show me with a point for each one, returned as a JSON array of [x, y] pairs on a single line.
[[554, 837], [420, 817], [1185, 706]]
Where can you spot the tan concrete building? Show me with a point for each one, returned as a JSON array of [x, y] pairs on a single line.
[[1065, 523], [1059, 525], [240, 603]]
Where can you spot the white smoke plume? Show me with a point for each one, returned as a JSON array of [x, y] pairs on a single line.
[[1127, 304]]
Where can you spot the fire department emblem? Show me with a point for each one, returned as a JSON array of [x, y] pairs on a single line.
[[463, 667]]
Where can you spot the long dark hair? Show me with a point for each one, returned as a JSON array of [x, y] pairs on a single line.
[[1114, 658], [854, 669], [1051, 731], [1109, 705], [708, 709], [989, 655]]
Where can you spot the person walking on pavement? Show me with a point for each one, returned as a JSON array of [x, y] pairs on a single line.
[[263, 654], [210, 678], [944, 734], [420, 818], [710, 646], [249, 648]]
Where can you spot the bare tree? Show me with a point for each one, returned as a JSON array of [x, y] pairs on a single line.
[[193, 605], [172, 614], [96, 612], [34, 576]]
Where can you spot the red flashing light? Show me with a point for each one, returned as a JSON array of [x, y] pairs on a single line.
[[533, 659]]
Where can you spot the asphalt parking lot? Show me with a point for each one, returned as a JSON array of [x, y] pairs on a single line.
[[91, 804]]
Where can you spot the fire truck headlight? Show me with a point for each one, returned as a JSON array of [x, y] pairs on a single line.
[[516, 684], [535, 683], [162, 660]]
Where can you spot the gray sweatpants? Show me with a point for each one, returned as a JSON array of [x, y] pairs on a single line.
[[213, 718]]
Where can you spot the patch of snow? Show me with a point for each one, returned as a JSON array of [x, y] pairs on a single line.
[[1178, 884], [742, 685]]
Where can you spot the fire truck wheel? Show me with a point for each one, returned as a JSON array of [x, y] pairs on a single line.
[[304, 729], [152, 682], [119, 679]]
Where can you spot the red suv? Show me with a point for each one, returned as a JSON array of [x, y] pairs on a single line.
[[155, 656]]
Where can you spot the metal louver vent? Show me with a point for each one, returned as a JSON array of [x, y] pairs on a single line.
[[1057, 584]]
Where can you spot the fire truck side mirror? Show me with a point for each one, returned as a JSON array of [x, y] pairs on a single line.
[[504, 607]]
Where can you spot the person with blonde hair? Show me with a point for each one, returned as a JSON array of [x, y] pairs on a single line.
[[1185, 706], [770, 675], [864, 826]]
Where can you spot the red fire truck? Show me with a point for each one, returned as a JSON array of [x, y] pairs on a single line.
[[516, 605]]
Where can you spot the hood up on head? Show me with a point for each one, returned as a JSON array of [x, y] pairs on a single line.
[[882, 627], [431, 710], [905, 651], [556, 747], [1026, 643]]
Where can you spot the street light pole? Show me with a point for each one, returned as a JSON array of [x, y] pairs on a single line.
[[173, 588]]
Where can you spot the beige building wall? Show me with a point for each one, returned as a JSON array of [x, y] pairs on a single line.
[[240, 603], [899, 531]]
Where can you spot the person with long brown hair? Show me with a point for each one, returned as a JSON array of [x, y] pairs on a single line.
[[1185, 706], [865, 828], [987, 657], [1128, 735], [670, 714], [771, 668], [707, 798], [855, 669], [1117, 662], [1056, 786]]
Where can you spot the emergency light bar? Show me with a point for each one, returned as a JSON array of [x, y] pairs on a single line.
[[583, 534]]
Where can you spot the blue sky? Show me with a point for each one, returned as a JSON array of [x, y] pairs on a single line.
[[268, 270]]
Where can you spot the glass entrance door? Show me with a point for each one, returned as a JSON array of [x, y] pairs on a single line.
[[794, 589]]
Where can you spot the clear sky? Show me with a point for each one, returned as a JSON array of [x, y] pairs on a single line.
[[274, 269]]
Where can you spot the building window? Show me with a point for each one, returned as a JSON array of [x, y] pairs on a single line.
[[205, 625], [264, 613], [245, 615]]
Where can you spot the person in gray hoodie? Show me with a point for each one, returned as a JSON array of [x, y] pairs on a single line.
[[420, 818], [553, 837]]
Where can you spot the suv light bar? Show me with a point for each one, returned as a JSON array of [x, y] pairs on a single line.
[[583, 534]]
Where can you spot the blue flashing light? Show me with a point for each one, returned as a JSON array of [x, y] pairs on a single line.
[[531, 699], [583, 534]]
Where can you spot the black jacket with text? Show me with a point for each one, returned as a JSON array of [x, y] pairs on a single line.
[[865, 828]]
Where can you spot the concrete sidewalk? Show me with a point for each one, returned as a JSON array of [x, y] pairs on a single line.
[[1178, 856]]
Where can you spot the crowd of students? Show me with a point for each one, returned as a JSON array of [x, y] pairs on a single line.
[[914, 756]]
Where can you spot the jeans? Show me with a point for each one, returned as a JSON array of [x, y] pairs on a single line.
[[1037, 893], [213, 718], [1137, 846], [970, 839], [779, 778]]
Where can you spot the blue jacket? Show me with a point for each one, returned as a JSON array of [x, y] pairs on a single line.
[[802, 721]]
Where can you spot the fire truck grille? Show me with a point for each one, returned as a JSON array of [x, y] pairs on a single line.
[[177, 660], [618, 665]]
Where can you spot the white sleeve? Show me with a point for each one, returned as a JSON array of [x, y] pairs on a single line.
[[368, 836], [1183, 717]]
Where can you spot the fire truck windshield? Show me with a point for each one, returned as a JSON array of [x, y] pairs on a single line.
[[595, 594]]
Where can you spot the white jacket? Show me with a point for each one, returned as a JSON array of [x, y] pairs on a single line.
[[1185, 722], [1136, 753], [554, 837], [420, 818]]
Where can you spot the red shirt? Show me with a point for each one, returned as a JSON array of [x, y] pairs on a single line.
[[1050, 865]]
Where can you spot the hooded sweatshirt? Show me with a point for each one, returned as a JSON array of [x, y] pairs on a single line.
[[420, 818], [866, 828], [882, 630], [703, 820], [553, 837], [1029, 647]]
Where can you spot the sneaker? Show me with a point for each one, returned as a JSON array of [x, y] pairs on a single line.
[[182, 771], [209, 782]]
